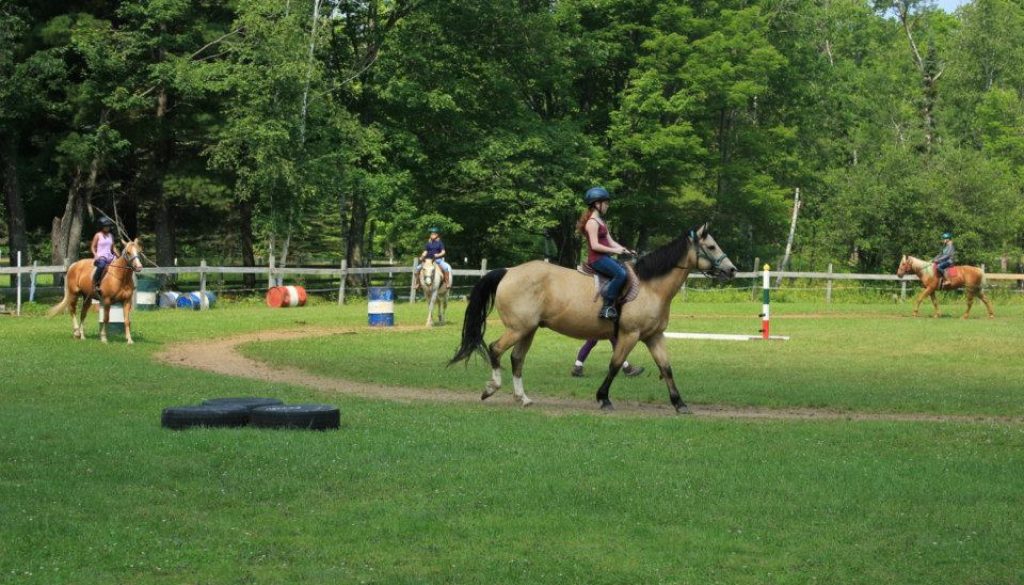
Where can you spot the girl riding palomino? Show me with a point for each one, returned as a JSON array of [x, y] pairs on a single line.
[[945, 259], [434, 249], [104, 251], [600, 246]]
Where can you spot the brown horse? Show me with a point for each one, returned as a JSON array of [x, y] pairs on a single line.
[[117, 286], [538, 294], [969, 278]]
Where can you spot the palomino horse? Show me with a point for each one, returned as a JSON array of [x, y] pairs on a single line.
[[432, 278], [969, 278], [538, 294], [117, 286]]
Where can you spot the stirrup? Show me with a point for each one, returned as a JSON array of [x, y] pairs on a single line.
[[608, 312]]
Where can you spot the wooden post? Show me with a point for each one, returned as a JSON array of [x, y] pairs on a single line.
[[203, 305], [753, 286], [341, 285], [412, 283], [483, 267], [903, 291], [828, 286]]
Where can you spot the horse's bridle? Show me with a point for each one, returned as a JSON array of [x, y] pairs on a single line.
[[129, 260], [716, 261]]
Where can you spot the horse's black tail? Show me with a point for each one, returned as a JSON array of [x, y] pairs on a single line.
[[481, 300]]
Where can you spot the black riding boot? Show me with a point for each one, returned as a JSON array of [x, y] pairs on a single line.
[[608, 312], [96, 279]]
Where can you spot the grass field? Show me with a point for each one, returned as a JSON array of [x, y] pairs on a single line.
[[92, 490]]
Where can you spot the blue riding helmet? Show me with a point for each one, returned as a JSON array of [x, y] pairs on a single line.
[[596, 194], [947, 236], [434, 229]]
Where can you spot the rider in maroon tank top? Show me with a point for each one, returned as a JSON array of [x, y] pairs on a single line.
[[601, 246]]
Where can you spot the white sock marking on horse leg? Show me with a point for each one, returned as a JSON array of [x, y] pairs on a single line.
[[494, 384], [517, 388]]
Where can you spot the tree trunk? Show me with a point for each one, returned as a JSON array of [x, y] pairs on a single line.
[[18, 239], [163, 215], [67, 230], [566, 240], [245, 240], [356, 233]]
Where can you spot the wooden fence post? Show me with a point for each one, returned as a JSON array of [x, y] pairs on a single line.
[[483, 267], [341, 285], [828, 286], [903, 291], [412, 283], [203, 305]]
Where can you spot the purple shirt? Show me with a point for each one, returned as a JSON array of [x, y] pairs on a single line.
[[104, 247]]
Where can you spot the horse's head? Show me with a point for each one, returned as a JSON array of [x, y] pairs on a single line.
[[427, 272], [132, 253], [905, 266], [711, 259]]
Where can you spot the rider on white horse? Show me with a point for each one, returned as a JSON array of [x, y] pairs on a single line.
[[434, 249]]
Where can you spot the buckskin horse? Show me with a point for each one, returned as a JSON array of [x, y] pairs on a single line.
[[537, 294], [970, 278], [117, 286]]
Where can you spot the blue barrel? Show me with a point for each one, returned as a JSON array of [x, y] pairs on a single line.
[[381, 308], [195, 300]]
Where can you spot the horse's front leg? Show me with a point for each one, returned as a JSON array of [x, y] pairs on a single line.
[[128, 321], [624, 344], [917, 300], [430, 309], [659, 352], [935, 304], [105, 307], [77, 322]]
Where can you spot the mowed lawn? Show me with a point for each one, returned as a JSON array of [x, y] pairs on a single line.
[[92, 490]]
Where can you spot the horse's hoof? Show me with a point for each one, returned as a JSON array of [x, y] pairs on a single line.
[[488, 392], [606, 405], [526, 402], [681, 408]]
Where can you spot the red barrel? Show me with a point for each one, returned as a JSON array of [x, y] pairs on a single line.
[[286, 296]]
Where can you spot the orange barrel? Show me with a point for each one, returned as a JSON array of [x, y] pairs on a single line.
[[286, 296]]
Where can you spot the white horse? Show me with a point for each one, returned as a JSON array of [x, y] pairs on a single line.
[[434, 289]]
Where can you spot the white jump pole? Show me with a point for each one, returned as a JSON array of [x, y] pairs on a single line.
[[765, 288]]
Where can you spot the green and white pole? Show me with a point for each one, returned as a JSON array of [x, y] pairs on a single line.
[[765, 288]]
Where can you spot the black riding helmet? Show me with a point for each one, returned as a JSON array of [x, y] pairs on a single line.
[[106, 222]]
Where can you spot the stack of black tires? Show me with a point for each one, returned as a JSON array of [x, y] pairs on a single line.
[[252, 411]]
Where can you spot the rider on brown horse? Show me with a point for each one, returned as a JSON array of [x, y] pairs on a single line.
[[104, 250], [945, 259], [600, 247]]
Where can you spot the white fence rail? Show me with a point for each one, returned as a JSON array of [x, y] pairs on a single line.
[[275, 276]]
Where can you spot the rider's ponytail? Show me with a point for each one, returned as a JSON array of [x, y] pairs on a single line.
[[581, 223]]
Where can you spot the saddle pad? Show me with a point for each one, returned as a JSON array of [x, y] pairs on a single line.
[[630, 290], [952, 272]]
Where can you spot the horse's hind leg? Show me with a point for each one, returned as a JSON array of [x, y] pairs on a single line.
[[518, 357], [494, 351], [988, 305], [659, 352], [970, 303], [935, 304]]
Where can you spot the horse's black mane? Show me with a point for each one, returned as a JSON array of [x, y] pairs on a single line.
[[661, 261]]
